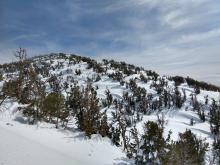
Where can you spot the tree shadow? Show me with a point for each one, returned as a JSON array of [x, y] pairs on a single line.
[[75, 135], [21, 120], [123, 161]]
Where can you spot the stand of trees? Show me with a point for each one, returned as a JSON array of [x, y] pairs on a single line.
[[215, 129], [57, 102]]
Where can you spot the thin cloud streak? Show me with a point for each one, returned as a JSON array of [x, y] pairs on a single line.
[[172, 37]]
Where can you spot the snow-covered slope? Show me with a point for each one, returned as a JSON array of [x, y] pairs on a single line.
[[42, 143]]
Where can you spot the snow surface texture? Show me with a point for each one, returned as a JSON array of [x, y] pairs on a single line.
[[40, 144], [43, 144]]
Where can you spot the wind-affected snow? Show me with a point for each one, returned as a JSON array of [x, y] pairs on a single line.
[[43, 144]]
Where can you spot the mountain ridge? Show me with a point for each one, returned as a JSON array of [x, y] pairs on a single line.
[[114, 99], [177, 79]]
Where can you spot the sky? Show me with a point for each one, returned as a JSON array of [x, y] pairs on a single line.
[[172, 37]]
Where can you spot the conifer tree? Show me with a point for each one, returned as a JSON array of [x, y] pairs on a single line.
[[187, 150], [216, 150], [104, 128], [116, 136], [215, 118], [178, 100], [53, 106], [108, 97], [152, 145], [134, 143]]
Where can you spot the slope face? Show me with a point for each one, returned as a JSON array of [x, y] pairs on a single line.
[[126, 95], [43, 144]]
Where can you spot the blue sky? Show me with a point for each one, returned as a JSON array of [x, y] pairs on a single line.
[[172, 37]]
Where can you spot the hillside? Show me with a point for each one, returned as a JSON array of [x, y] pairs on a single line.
[[72, 109]]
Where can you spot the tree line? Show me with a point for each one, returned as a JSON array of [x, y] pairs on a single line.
[[82, 104]]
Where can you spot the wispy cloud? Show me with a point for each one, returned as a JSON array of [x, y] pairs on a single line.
[[175, 37], [202, 36]]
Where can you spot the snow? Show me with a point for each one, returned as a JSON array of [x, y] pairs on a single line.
[[16, 149], [40, 144], [178, 121], [44, 145]]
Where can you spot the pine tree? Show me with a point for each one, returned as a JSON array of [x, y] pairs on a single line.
[[152, 145], [104, 128], [216, 150], [52, 107], [215, 118], [75, 106], [123, 128], [108, 97], [134, 143], [187, 150], [87, 114], [116, 136], [178, 100], [23, 63], [143, 106], [165, 97], [1, 76]]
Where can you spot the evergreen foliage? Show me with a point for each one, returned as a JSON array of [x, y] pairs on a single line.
[[187, 150], [58, 98]]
